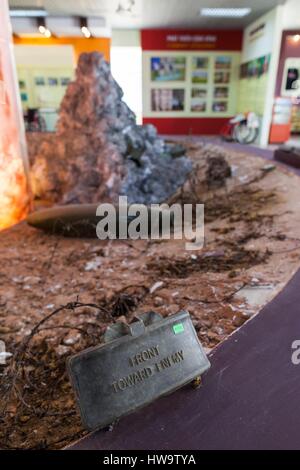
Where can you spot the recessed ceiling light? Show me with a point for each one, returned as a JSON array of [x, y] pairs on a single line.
[[28, 12], [225, 12], [42, 27], [84, 27], [86, 32]]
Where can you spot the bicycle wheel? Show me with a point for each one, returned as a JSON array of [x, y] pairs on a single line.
[[244, 134]]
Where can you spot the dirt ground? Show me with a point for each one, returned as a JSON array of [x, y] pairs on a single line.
[[57, 295]]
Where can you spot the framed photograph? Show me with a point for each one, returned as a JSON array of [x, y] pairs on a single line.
[[199, 93], [167, 99], [24, 97], [199, 70], [198, 100], [255, 68], [198, 105], [64, 81], [223, 62], [39, 81], [199, 76], [22, 84], [168, 69], [222, 77], [200, 63], [219, 107], [221, 92], [52, 81]]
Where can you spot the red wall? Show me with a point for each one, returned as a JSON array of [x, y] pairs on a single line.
[[187, 40], [170, 39], [187, 125]]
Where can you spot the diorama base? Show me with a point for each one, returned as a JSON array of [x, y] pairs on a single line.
[[249, 398]]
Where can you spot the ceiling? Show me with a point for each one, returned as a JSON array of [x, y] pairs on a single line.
[[154, 13]]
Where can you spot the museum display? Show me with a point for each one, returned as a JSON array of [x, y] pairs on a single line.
[[204, 90], [98, 137], [149, 220], [138, 363]]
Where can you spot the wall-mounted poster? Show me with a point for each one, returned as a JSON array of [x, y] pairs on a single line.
[[22, 84], [200, 63], [199, 92], [167, 99], [222, 77], [39, 81], [64, 81], [52, 81], [220, 106], [256, 67], [199, 72], [290, 84], [167, 69], [198, 101], [199, 76], [223, 62], [292, 79], [207, 88], [221, 92]]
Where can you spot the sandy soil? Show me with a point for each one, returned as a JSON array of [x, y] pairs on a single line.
[[251, 250]]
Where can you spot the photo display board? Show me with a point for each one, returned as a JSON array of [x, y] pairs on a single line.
[[253, 85], [43, 87], [190, 83]]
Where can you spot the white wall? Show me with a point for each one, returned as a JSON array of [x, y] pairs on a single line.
[[260, 43], [291, 15], [126, 67], [44, 56], [283, 17], [267, 41], [126, 38]]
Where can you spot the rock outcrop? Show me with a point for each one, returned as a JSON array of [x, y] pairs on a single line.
[[99, 152]]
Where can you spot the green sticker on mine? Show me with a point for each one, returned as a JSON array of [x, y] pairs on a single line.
[[178, 328]]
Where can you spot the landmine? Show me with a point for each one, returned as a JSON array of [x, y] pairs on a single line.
[[140, 362]]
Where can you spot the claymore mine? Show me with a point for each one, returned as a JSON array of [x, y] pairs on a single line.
[[139, 362]]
